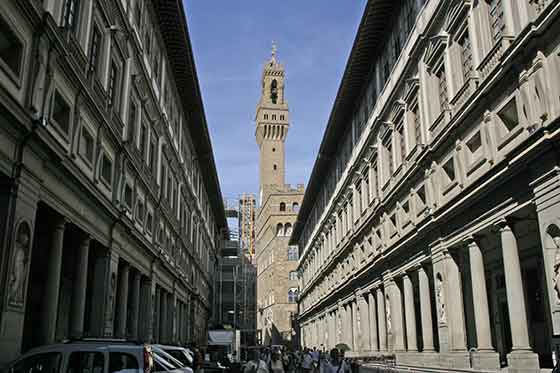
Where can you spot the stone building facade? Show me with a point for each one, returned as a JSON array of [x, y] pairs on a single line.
[[276, 261], [430, 225], [110, 208]]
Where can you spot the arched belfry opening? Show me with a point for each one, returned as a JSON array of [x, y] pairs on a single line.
[[274, 91]]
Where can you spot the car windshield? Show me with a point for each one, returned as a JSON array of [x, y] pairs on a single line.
[[181, 356], [172, 362]]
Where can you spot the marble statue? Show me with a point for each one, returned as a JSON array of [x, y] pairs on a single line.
[[18, 273], [440, 298]]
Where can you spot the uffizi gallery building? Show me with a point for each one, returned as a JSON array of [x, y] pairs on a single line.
[[430, 226], [110, 206]]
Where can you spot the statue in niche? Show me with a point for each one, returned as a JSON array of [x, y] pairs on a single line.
[[18, 273], [440, 298], [557, 269], [111, 297], [388, 313]]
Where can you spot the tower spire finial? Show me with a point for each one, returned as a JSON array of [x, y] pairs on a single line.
[[273, 57]]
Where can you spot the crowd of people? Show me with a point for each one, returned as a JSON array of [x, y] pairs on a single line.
[[307, 361]]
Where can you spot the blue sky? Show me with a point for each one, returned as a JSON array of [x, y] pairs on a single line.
[[232, 41]]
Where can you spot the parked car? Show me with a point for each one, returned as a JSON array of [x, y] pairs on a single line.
[[92, 355], [184, 355]]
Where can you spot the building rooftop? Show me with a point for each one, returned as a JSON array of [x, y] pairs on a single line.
[[174, 29]]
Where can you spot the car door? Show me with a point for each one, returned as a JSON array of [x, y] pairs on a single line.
[[86, 362], [45, 362]]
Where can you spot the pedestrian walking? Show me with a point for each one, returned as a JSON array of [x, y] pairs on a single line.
[[256, 364], [276, 364]]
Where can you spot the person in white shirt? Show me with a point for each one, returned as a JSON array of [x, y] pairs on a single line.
[[256, 364]]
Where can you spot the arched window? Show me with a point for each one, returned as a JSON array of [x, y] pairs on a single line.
[[274, 91], [282, 206], [295, 207], [292, 295], [288, 230], [279, 229]]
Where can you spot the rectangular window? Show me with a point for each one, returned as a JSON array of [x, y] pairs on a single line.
[[138, 13], [143, 140], [127, 196], [132, 111], [497, 19], [112, 89], [466, 56], [449, 169], [508, 116], [106, 172], [140, 211], [70, 15], [293, 253], [11, 49], [442, 88], [85, 362], [152, 155], [415, 117], [474, 144], [95, 48], [61, 113], [421, 194], [389, 152], [402, 142], [86, 145], [147, 41], [149, 223]]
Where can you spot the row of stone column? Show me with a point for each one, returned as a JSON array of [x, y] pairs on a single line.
[[129, 312], [384, 319]]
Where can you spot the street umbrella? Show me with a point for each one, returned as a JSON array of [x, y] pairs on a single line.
[[342, 347]]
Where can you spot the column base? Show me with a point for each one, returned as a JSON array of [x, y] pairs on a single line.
[[523, 362], [485, 360], [456, 359]]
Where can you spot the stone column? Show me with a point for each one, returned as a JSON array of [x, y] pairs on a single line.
[[410, 316], [52, 286], [122, 301], [425, 311], [163, 317], [364, 332], [381, 320], [521, 355], [135, 305], [79, 289], [355, 337], [490, 360], [456, 316], [373, 346], [397, 329]]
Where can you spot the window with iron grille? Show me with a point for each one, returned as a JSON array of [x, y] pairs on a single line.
[[442, 88], [94, 48], [466, 56], [497, 19], [70, 15]]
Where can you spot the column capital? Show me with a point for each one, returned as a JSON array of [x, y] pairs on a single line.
[[60, 223], [504, 224]]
